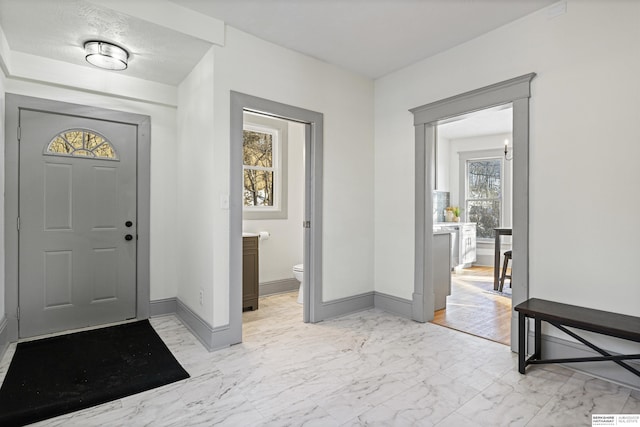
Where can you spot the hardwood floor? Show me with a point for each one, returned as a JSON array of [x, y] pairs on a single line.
[[474, 308]]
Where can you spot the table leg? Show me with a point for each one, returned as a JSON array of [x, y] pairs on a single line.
[[496, 262]]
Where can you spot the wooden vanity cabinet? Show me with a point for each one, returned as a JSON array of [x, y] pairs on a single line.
[[250, 273]]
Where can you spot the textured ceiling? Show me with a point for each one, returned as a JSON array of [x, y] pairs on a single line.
[[57, 29]]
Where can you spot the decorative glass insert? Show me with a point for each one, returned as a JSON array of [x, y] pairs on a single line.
[[81, 143]]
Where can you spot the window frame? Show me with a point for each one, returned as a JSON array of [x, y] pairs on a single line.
[[278, 128], [506, 184]]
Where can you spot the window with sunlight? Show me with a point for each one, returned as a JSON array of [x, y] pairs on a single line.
[[484, 187]]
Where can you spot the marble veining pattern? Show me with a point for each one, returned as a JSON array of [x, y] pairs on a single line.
[[368, 368]]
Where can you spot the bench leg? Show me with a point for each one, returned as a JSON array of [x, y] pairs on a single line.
[[522, 342], [538, 343]]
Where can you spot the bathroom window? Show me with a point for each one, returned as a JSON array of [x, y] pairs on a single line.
[[264, 167], [486, 188]]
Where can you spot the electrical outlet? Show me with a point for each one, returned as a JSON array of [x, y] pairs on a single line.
[[201, 296]]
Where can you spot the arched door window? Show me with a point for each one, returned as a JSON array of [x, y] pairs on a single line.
[[81, 143]]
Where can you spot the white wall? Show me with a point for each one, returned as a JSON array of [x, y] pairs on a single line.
[[346, 101], [163, 188], [198, 202], [583, 155], [284, 247]]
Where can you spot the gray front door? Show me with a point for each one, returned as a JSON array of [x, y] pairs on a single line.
[[77, 235]]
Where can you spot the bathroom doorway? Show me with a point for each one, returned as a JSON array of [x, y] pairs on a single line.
[[312, 124], [473, 179], [273, 211]]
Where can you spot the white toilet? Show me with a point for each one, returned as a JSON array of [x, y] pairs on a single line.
[[298, 273]]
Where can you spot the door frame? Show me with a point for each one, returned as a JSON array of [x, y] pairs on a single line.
[[312, 246], [516, 91], [16, 103]]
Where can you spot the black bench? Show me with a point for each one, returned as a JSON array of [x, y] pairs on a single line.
[[588, 319]]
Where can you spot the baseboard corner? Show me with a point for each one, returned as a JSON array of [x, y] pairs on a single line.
[[394, 305], [212, 338], [163, 307]]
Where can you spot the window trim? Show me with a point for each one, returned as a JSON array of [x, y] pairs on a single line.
[[278, 128], [506, 207]]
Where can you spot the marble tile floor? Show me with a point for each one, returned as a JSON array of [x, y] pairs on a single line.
[[367, 368]]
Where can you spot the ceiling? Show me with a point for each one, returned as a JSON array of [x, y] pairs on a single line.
[[490, 121], [369, 37]]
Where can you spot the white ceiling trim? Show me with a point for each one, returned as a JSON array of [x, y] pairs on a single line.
[[5, 53], [38, 69], [170, 15]]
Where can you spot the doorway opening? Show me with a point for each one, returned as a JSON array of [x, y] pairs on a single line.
[[270, 201], [472, 198], [273, 214], [516, 91]]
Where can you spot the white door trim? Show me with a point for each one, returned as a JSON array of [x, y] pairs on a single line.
[[15, 103]]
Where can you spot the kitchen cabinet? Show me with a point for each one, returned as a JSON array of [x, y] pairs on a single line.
[[463, 242], [441, 269], [467, 254], [250, 278]]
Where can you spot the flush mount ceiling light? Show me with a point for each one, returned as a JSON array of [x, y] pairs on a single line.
[[106, 55]]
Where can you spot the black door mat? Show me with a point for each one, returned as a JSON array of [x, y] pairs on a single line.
[[58, 375]]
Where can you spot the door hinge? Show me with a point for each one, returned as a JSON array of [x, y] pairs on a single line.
[[18, 313], [18, 223], [306, 224], [19, 133]]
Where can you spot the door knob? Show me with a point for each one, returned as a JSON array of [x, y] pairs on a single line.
[[128, 223], [128, 237]]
